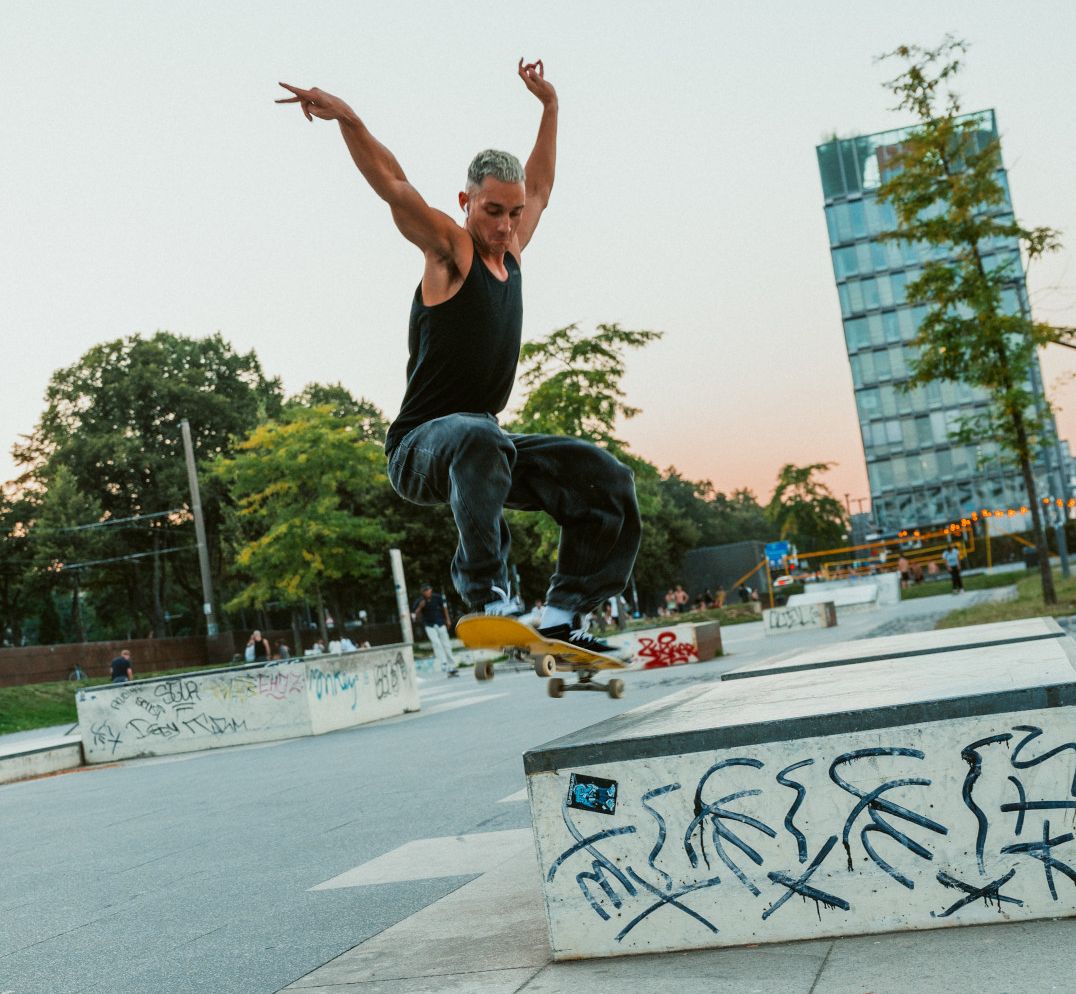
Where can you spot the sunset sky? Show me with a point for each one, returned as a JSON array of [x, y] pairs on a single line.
[[150, 182]]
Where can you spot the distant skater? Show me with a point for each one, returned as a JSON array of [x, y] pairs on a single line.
[[446, 445], [951, 556]]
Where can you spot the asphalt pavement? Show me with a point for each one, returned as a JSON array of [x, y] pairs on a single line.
[[346, 863]]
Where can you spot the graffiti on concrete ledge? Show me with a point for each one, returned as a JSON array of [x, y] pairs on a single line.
[[687, 845]]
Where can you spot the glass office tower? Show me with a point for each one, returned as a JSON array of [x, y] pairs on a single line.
[[918, 477]]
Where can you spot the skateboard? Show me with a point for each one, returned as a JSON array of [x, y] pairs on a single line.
[[548, 656]]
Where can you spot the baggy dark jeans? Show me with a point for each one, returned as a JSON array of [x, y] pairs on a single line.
[[470, 463]]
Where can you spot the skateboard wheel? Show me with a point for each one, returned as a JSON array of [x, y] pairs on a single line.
[[555, 687], [483, 670], [615, 689], [545, 665]]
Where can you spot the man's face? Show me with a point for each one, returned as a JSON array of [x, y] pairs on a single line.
[[493, 213]]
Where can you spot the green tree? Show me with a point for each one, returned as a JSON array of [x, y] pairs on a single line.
[[573, 383], [112, 419], [362, 413], [945, 185], [303, 487], [64, 538], [738, 517], [16, 564], [804, 510]]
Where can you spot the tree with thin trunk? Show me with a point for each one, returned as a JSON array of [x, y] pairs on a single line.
[[804, 510], [945, 184]]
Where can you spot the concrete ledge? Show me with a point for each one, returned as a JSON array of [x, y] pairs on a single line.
[[861, 597], [910, 793], [905, 646], [670, 645], [35, 762], [245, 704], [798, 618]]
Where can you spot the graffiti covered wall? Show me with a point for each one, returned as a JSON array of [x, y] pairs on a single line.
[[956, 822], [241, 705]]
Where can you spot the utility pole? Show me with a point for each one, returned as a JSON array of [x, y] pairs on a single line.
[[402, 607], [199, 532]]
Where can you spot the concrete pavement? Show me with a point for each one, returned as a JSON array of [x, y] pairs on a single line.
[[199, 872]]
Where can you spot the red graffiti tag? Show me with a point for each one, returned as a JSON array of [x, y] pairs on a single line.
[[665, 651]]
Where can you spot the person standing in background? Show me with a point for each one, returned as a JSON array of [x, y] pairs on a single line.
[[952, 560], [432, 611], [121, 667]]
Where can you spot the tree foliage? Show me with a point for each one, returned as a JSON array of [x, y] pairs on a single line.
[[111, 420], [365, 417], [803, 509], [302, 485], [945, 187], [573, 382]]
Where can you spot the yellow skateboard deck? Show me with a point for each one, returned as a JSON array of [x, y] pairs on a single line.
[[480, 631]]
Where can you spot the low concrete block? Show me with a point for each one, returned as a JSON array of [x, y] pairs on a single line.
[[904, 646], [653, 648], [245, 704], [40, 761], [858, 597], [887, 586], [895, 794], [792, 618]]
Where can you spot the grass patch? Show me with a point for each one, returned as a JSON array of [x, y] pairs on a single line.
[[41, 705], [980, 581], [1028, 604]]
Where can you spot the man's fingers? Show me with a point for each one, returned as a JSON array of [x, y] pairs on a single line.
[[306, 110], [299, 91], [288, 100]]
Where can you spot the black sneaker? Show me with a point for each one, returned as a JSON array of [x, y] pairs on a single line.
[[577, 637]]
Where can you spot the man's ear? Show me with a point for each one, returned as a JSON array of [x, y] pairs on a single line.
[[464, 202]]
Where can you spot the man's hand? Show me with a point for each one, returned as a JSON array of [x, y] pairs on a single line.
[[318, 103], [533, 75]]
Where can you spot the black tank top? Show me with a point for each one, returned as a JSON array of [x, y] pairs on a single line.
[[462, 352]]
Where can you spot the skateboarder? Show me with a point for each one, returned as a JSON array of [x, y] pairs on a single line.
[[446, 445]]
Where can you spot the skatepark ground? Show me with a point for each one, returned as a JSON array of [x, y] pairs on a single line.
[[398, 858]]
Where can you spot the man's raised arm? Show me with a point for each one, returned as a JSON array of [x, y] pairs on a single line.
[[542, 164], [431, 230]]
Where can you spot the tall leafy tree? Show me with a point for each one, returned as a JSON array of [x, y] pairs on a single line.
[[367, 418], [307, 490], [64, 540], [573, 382], [804, 510], [945, 186], [112, 419], [17, 572]]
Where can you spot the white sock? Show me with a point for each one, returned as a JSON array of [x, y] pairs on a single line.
[[554, 616]]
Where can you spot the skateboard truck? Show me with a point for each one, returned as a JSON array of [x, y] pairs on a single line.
[[558, 688], [545, 665]]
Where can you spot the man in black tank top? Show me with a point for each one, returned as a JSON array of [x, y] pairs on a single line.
[[446, 445]]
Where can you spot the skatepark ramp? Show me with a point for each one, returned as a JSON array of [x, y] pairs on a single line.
[[207, 709], [931, 785]]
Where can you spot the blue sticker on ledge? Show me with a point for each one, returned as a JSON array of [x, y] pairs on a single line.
[[592, 794]]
